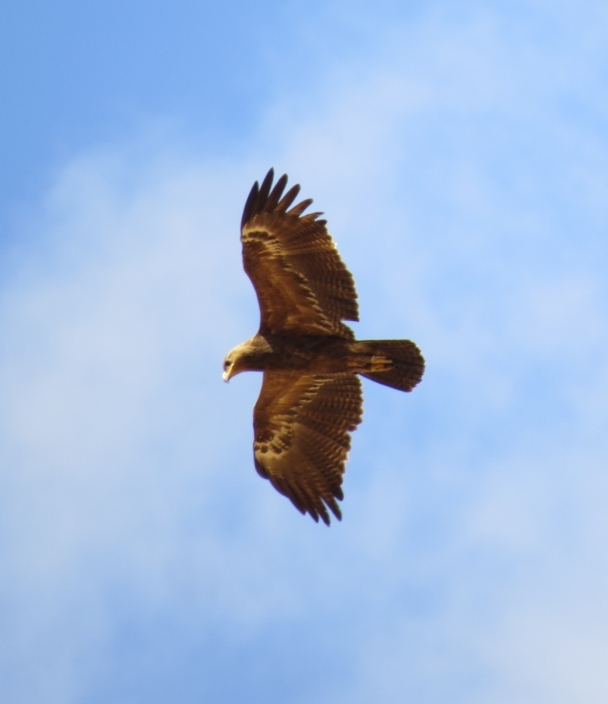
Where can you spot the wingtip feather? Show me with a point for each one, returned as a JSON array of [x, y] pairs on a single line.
[[249, 204], [300, 207], [288, 198], [264, 190]]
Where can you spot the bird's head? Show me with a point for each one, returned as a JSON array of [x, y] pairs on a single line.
[[248, 356], [234, 361]]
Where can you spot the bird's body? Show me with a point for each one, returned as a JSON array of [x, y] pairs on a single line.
[[309, 354], [311, 394]]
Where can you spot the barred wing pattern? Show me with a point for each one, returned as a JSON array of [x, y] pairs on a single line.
[[302, 285], [301, 436]]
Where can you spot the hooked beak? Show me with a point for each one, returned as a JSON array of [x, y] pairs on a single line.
[[228, 373]]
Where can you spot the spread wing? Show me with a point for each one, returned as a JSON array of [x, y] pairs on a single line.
[[301, 436], [302, 284]]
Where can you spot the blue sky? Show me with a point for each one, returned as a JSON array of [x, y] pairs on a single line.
[[459, 153]]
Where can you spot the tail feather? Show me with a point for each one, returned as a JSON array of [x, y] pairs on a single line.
[[407, 363]]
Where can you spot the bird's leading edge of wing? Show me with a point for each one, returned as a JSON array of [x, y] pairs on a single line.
[[303, 287], [301, 436]]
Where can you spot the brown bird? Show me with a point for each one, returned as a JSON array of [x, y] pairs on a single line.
[[311, 395]]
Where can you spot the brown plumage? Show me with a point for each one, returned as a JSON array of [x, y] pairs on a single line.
[[311, 395]]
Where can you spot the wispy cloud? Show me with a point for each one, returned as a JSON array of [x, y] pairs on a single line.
[[143, 556]]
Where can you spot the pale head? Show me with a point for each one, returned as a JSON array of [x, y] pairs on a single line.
[[234, 363]]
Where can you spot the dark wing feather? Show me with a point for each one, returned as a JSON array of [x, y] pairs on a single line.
[[302, 284], [301, 436]]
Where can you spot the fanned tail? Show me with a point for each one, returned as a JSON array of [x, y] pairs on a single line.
[[407, 363]]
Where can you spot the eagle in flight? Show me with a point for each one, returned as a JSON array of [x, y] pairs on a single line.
[[311, 393]]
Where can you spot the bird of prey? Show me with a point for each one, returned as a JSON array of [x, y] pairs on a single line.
[[311, 393]]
